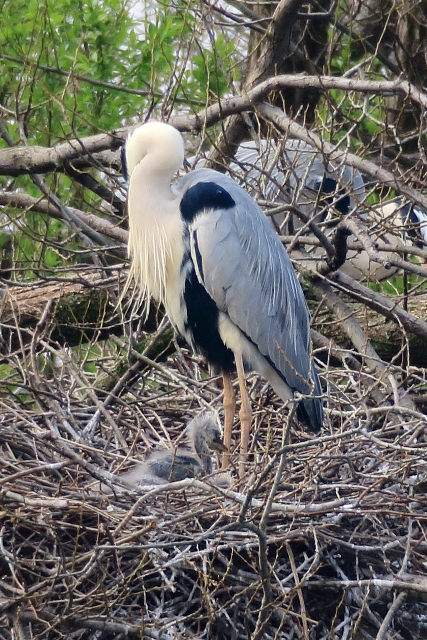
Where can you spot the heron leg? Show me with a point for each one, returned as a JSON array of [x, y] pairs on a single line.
[[229, 403], [245, 415]]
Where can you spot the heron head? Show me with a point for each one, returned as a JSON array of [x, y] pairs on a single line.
[[214, 439], [206, 427], [153, 138]]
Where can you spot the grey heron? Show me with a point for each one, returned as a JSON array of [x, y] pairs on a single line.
[[293, 172], [203, 435], [294, 169], [409, 217], [203, 248]]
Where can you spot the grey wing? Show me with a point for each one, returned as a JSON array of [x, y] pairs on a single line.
[[172, 466], [260, 169], [247, 272], [418, 216], [291, 166], [278, 170], [308, 166]]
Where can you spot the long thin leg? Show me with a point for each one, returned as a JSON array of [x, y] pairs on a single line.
[[245, 415], [229, 403]]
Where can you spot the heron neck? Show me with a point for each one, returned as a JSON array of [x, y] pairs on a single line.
[[155, 232], [150, 187], [200, 447]]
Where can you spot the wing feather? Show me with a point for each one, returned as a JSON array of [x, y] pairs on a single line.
[[247, 272]]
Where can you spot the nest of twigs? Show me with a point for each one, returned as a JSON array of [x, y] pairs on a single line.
[[324, 538]]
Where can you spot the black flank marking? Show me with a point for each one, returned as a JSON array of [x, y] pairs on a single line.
[[202, 322], [204, 195], [124, 163]]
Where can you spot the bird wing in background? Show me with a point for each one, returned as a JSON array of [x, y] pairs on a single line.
[[243, 266], [293, 166], [415, 217]]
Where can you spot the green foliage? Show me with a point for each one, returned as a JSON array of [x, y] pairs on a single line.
[[55, 55], [72, 37], [53, 43], [395, 285], [209, 68]]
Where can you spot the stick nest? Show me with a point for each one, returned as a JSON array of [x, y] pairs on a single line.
[[325, 537]]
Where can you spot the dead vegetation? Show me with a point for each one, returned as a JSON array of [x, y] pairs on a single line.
[[325, 537]]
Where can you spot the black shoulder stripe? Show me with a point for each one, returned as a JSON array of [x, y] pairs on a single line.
[[124, 163], [414, 214], [202, 196], [409, 217], [198, 257]]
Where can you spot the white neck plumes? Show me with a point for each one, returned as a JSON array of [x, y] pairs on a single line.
[[154, 153]]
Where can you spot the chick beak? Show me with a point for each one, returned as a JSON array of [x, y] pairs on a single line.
[[218, 444]]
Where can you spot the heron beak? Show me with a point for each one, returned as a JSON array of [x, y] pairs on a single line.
[[218, 445]]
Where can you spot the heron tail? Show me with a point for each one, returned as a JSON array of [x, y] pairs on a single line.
[[310, 410]]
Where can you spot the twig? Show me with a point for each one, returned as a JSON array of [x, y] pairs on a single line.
[[398, 600]]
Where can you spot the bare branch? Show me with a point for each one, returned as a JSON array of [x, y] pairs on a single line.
[[24, 201], [17, 161], [381, 304]]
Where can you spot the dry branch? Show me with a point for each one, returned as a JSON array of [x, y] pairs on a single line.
[[22, 160], [24, 302], [336, 525], [29, 203]]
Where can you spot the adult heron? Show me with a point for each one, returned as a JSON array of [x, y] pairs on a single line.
[[203, 248], [292, 170]]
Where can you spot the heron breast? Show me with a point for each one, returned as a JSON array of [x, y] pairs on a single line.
[[201, 326]]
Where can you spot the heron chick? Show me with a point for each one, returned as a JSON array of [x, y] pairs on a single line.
[[203, 248], [203, 435]]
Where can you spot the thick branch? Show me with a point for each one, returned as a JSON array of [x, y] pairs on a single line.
[[24, 201], [355, 227], [24, 303], [35, 159], [277, 40], [359, 246], [288, 126], [20, 160], [380, 304]]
